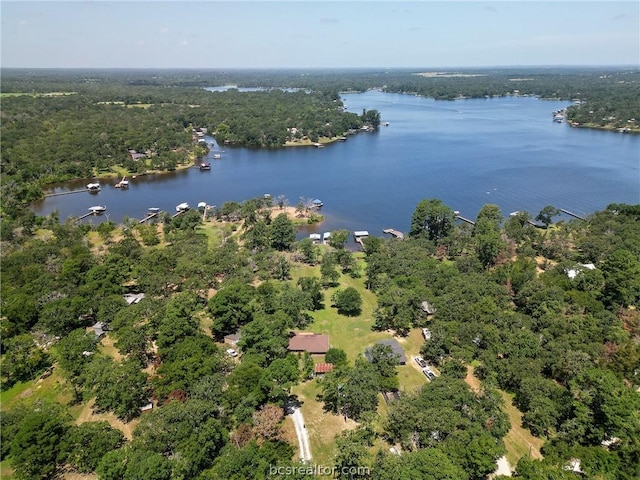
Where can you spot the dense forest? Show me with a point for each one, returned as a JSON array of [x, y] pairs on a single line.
[[164, 350], [547, 315]]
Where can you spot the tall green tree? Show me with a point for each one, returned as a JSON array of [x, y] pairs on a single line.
[[431, 219], [37, 444], [283, 232]]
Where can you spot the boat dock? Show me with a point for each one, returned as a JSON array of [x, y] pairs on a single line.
[[150, 216], [85, 216], [359, 236], [66, 193], [97, 210], [394, 232], [572, 214], [460, 217]]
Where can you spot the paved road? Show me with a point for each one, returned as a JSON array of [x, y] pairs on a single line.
[[302, 433]]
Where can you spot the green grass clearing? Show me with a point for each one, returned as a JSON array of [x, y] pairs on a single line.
[[519, 441], [323, 427], [53, 389]]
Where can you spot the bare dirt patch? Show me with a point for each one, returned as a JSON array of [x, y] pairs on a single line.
[[87, 415]]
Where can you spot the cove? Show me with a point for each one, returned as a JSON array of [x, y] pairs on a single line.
[[506, 151]]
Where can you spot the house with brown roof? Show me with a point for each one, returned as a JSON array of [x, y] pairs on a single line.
[[309, 342]]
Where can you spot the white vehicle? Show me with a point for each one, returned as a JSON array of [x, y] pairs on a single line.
[[231, 352], [428, 373], [426, 333], [420, 361]]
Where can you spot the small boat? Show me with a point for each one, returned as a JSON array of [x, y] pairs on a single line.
[[317, 203], [93, 187], [98, 209], [202, 205], [154, 210], [217, 156], [205, 166], [182, 207]]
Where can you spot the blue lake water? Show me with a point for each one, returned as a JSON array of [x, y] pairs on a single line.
[[505, 151]]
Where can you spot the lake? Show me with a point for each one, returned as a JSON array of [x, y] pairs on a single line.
[[505, 151]]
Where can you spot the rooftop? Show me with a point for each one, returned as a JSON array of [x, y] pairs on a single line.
[[323, 367], [309, 342], [395, 347]]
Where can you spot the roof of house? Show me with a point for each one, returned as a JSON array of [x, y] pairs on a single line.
[[99, 328], [395, 347], [233, 337], [323, 367], [428, 308], [133, 297], [309, 342]]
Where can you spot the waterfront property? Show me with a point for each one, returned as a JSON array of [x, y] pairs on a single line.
[[375, 181]]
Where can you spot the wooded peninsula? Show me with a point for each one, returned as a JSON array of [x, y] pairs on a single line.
[[215, 345]]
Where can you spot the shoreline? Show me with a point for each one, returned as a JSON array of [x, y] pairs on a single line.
[[309, 143], [295, 217]]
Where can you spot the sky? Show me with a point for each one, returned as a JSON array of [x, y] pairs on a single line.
[[317, 34]]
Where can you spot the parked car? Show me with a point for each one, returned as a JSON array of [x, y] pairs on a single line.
[[420, 361], [231, 352], [428, 373], [426, 333]]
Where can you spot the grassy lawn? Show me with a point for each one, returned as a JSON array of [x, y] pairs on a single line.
[[107, 347], [322, 426], [519, 441], [53, 388], [216, 232], [5, 469], [353, 335]]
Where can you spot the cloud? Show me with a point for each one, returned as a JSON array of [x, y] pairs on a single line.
[[487, 8], [622, 16], [414, 29], [330, 21], [164, 30], [184, 43], [23, 23]]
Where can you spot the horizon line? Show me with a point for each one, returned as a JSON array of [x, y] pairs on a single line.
[[612, 65]]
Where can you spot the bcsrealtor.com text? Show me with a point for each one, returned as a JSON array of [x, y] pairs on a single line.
[[319, 470]]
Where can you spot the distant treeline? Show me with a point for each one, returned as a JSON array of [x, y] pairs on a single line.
[[63, 124]]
